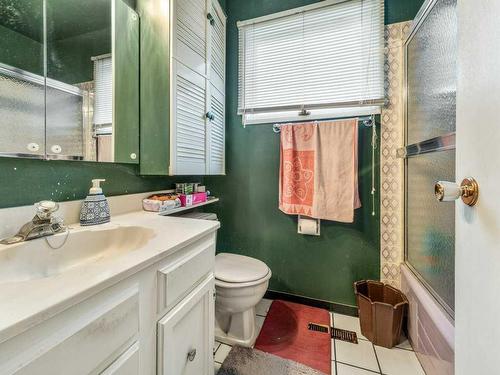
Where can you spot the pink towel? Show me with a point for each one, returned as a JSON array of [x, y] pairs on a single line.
[[319, 170]]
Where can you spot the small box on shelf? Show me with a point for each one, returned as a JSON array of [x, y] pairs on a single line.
[[192, 199]]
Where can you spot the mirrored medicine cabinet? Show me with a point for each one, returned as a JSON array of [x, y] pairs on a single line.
[[69, 80]]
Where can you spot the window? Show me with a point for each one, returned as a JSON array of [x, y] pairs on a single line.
[[323, 60], [103, 99]]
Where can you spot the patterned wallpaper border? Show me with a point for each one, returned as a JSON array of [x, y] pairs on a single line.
[[391, 168]]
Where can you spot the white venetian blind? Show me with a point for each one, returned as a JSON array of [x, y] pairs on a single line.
[[324, 58], [103, 83]]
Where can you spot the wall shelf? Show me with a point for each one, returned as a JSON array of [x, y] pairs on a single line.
[[187, 208]]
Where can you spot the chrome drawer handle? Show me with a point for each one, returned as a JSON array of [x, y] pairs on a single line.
[[191, 355]]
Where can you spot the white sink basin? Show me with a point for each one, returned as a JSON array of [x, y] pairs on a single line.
[[35, 259]]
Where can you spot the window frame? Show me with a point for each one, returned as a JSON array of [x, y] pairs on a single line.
[[311, 111]]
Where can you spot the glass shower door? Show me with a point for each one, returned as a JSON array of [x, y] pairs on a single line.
[[431, 54]]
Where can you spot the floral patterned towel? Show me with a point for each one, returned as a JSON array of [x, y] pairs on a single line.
[[319, 170]]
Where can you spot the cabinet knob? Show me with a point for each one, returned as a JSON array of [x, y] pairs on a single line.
[[191, 355], [211, 19], [34, 147], [209, 115]]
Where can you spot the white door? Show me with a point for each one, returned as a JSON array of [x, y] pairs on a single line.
[[185, 334], [477, 286]]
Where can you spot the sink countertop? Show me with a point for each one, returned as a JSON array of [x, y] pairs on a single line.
[[27, 303]]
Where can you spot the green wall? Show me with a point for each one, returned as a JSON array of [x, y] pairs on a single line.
[[77, 31], [25, 181], [401, 10], [20, 51], [69, 59], [322, 267]]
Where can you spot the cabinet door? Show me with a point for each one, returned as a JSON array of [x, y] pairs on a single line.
[[188, 150], [126, 55], [216, 100], [216, 132], [217, 43], [198, 86], [185, 334], [190, 33]]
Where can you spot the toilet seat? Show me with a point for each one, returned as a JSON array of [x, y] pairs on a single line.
[[227, 285], [240, 269]]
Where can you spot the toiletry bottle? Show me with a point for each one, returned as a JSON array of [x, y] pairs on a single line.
[[95, 208]]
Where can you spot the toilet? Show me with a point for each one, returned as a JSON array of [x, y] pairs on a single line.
[[240, 284]]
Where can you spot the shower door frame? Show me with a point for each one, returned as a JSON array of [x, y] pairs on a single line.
[[421, 16]]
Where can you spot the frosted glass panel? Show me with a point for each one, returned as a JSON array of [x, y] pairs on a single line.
[[431, 224], [431, 74], [21, 116], [66, 118]]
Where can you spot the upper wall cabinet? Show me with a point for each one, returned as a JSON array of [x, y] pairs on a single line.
[[69, 80], [192, 142]]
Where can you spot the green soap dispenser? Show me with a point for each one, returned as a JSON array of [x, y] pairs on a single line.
[[95, 208]]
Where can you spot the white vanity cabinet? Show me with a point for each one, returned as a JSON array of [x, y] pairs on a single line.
[[157, 319], [197, 116]]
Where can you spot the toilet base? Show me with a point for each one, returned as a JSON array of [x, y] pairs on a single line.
[[236, 328]]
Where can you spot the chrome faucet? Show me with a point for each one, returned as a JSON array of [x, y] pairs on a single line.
[[43, 224]]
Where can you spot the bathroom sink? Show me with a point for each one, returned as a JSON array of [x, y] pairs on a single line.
[[53, 255]]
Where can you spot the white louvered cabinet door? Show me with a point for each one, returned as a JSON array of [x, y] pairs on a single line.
[[216, 132], [188, 132], [216, 100], [198, 88], [217, 46], [189, 36]]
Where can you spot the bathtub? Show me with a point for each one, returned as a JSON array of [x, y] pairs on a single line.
[[431, 330]]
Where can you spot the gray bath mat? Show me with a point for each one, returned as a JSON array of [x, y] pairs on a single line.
[[247, 361]]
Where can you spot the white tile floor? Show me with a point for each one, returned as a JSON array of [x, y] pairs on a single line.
[[366, 358], [350, 359]]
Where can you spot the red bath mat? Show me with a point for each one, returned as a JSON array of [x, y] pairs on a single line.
[[285, 333]]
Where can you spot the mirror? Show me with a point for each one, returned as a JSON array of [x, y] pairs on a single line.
[[80, 99], [22, 108]]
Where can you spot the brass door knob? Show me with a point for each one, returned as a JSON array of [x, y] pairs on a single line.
[[468, 190]]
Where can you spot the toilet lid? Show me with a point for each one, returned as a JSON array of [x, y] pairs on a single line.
[[233, 268]]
